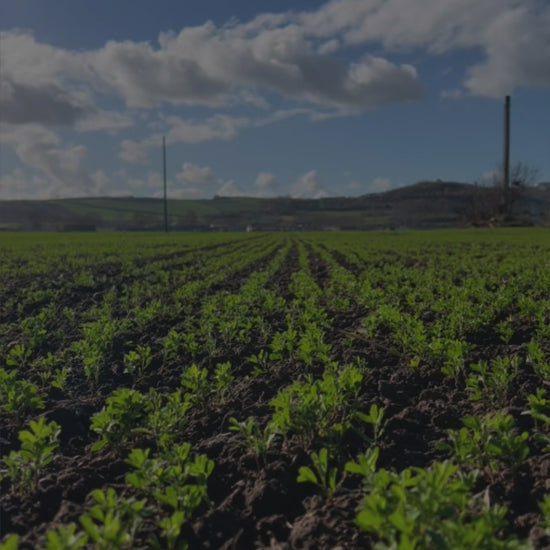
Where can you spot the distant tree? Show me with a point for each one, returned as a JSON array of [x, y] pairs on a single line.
[[489, 201]]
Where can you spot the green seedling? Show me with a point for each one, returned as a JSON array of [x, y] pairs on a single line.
[[113, 521], [260, 362], [539, 409], [321, 475], [117, 422], [18, 357], [65, 537], [172, 345], [375, 419], [223, 379], [195, 381], [252, 436], [537, 358], [17, 397], [488, 442], [11, 543], [431, 508], [136, 361], [365, 465], [38, 447]]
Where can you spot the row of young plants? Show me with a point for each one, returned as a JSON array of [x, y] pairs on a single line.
[[156, 416], [409, 299], [38, 357]]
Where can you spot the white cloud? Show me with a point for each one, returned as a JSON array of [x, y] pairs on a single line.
[[231, 189], [512, 35], [110, 121], [199, 182], [379, 185], [40, 149], [289, 54], [153, 183], [266, 184], [135, 152], [354, 185], [195, 175], [309, 186], [218, 127]]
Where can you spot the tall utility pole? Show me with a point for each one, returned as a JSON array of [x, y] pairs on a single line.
[[506, 156], [164, 179]]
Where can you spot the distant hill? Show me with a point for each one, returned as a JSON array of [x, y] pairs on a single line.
[[425, 204]]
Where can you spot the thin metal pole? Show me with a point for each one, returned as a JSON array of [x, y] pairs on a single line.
[[506, 155], [164, 179]]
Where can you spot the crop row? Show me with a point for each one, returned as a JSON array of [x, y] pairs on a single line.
[[226, 391]]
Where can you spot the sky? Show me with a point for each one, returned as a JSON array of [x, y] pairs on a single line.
[[298, 98]]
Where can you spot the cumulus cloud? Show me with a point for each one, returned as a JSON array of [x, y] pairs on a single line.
[[266, 184], [48, 105], [41, 149], [231, 189], [109, 121], [265, 181], [290, 54], [309, 186], [513, 36], [199, 182], [195, 175], [379, 185]]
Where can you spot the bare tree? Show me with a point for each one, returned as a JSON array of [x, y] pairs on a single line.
[[523, 175]]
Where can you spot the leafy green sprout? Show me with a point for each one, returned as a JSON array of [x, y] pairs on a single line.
[[136, 361], [252, 436], [322, 474], [38, 447]]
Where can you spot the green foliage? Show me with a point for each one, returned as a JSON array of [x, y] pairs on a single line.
[[11, 543], [252, 436], [309, 409], [488, 442], [537, 359], [375, 418], [65, 537], [493, 381], [136, 361], [18, 396], [321, 475], [539, 409], [195, 381], [174, 480], [113, 521], [116, 423], [430, 508], [18, 356], [365, 465], [38, 447]]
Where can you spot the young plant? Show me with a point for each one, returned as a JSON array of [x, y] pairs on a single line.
[[488, 442], [113, 521], [18, 357], [252, 436], [493, 381], [375, 418], [195, 381], [223, 378], [17, 397], [431, 508], [117, 422], [38, 447], [65, 537], [321, 475], [136, 361]]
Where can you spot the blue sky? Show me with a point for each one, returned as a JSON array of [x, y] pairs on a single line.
[[302, 98]]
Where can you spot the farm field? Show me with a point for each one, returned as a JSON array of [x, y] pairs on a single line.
[[275, 390]]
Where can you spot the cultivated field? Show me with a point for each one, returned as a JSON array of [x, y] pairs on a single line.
[[290, 390]]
